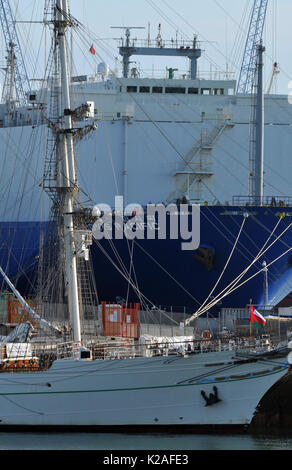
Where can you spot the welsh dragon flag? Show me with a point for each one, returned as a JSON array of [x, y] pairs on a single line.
[[257, 318]]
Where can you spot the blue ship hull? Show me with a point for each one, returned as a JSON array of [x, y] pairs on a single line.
[[169, 276]]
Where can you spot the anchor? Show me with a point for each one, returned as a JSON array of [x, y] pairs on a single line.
[[205, 256], [213, 397]]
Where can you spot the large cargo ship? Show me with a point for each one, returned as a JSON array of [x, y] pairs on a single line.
[[159, 140]]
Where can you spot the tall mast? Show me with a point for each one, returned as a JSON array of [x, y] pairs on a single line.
[[256, 179], [60, 177], [68, 180], [259, 162]]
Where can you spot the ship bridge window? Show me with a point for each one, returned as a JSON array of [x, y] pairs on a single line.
[[193, 91], [172, 89], [205, 91], [157, 89], [132, 89], [144, 89], [218, 91]]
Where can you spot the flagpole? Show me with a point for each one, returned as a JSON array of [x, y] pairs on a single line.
[[250, 324]]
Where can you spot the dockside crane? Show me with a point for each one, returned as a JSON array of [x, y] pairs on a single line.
[[20, 76], [254, 38]]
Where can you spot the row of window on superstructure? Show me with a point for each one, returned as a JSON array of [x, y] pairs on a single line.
[[177, 90]]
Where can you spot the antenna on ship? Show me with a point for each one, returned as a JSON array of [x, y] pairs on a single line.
[[8, 91], [159, 37], [127, 54], [186, 49], [21, 80], [9, 86]]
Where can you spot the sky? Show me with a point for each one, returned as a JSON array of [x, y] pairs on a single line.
[[221, 26]]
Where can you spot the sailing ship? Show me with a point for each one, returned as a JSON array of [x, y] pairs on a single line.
[[73, 380]]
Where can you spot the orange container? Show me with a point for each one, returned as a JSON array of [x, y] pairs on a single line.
[[119, 321], [17, 313]]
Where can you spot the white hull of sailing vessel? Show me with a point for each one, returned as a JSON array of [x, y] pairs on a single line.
[[140, 391]]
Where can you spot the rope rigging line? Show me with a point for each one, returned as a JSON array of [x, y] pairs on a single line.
[[176, 28], [127, 272], [251, 277], [132, 284], [163, 269], [248, 256], [233, 285], [226, 265]]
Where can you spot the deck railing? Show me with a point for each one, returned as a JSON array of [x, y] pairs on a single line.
[[270, 201]]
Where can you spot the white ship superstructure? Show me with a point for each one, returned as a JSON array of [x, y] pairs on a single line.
[[186, 137]]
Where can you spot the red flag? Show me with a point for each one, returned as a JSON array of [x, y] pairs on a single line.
[[256, 317], [92, 50]]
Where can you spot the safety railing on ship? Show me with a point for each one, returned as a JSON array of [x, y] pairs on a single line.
[[270, 201], [180, 348], [39, 358], [68, 350]]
